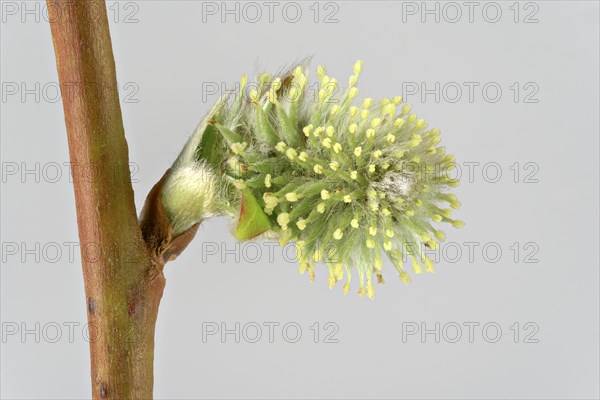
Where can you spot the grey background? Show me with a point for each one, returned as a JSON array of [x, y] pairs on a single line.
[[170, 52]]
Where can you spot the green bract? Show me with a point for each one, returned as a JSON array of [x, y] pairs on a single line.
[[345, 180]]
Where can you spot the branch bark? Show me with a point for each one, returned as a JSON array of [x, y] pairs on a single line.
[[122, 274]]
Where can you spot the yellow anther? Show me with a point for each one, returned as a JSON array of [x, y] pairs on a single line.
[[370, 291], [293, 94], [368, 102], [398, 122], [364, 114], [253, 95], [387, 245], [454, 203], [433, 245], [326, 142], [338, 234], [321, 95], [303, 156], [425, 237], [270, 200], [375, 122], [446, 212], [337, 148], [370, 133], [318, 169], [239, 183], [325, 194], [283, 219], [389, 109], [334, 165], [330, 131], [281, 146], [354, 223], [458, 223], [307, 129], [370, 244], [238, 148], [358, 66], [429, 265], [347, 199], [331, 282], [321, 208], [389, 233], [321, 72], [414, 142], [371, 168], [377, 153], [291, 197], [264, 78], [268, 180], [331, 85], [346, 287], [404, 277], [416, 267], [353, 174], [390, 138], [291, 153], [276, 84], [301, 224], [352, 128]]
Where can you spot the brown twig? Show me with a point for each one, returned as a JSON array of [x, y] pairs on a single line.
[[123, 277]]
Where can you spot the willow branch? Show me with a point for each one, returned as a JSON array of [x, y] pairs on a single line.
[[123, 281]]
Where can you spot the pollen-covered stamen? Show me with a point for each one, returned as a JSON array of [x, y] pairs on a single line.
[[301, 224]]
